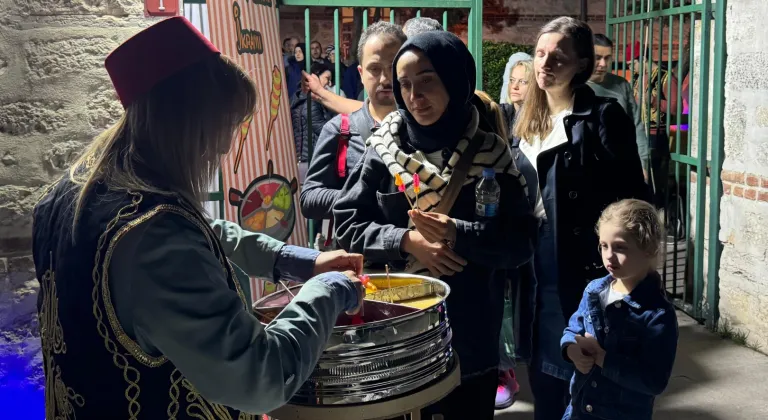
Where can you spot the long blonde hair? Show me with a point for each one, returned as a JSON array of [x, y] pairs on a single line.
[[528, 66], [534, 118], [492, 109], [170, 141]]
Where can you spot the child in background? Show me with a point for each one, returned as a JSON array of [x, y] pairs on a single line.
[[623, 338]]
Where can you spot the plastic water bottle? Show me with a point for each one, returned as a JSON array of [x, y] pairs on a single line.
[[487, 194]]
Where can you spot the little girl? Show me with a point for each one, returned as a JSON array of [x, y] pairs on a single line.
[[623, 338]]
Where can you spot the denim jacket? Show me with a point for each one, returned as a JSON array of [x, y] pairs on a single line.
[[639, 335]]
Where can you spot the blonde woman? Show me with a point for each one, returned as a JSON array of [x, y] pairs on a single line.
[[578, 153], [141, 312]]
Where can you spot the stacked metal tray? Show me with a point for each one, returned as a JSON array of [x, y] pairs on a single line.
[[403, 344]]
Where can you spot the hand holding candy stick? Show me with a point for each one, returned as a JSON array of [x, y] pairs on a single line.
[[416, 188], [401, 187]]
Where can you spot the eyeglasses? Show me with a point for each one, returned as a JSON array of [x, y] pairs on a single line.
[[522, 82]]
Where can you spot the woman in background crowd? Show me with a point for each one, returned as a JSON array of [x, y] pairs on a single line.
[[520, 78], [578, 153], [296, 65]]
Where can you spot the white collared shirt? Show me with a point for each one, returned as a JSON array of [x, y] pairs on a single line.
[[533, 149]]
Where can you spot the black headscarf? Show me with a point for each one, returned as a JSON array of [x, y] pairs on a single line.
[[456, 68], [302, 63]]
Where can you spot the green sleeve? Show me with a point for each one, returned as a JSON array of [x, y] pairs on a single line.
[[254, 253], [171, 295]]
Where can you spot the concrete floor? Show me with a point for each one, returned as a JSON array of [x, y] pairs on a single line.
[[713, 379]]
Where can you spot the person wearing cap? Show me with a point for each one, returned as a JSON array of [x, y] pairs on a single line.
[[142, 314]]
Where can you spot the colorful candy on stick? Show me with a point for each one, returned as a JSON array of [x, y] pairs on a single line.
[[274, 101], [401, 187], [416, 187]]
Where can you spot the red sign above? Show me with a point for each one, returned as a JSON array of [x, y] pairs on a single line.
[[161, 7]]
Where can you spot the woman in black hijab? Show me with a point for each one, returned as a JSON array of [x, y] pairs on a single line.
[[435, 125], [296, 64]]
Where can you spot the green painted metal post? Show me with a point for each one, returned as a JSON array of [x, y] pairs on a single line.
[[718, 154], [445, 20], [308, 59], [701, 174], [336, 56], [418, 13], [392, 15], [476, 16]]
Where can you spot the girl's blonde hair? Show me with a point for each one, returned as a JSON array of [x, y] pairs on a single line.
[[534, 118], [171, 140], [528, 66], [640, 219], [492, 109]]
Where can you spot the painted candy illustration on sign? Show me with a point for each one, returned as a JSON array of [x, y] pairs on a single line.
[[267, 206]]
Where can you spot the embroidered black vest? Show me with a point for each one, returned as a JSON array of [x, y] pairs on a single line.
[[93, 370]]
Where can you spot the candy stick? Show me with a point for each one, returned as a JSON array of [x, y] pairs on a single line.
[[274, 102], [416, 188], [401, 187]]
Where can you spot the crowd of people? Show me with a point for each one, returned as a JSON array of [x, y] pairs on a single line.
[[122, 244]]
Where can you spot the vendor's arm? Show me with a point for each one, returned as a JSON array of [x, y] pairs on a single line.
[[260, 255], [360, 224], [505, 241], [171, 295], [323, 184]]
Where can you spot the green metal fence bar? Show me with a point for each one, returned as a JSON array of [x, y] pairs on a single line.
[[445, 19], [391, 15], [701, 172], [418, 13], [718, 154], [400, 4], [655, 17], [678, 133], [336, 50], [311, 148], [657, 13]]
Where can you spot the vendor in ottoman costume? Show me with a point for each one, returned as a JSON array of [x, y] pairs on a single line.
[[142, 315]]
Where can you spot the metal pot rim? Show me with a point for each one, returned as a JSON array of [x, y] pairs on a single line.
[[389, 321]]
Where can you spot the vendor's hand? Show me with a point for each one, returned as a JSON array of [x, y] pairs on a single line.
[[310, 82], [352, 275], [339, 260], [591, 346], [437, 257], [583, 362], [435, 227]]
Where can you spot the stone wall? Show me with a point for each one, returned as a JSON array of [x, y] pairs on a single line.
[[744, 206], [54, 97]]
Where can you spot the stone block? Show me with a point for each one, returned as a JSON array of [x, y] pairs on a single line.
[[46, 58], [77, 7], [745, 72], [43, 117], [103, 107], [61, 155], [16, 205]]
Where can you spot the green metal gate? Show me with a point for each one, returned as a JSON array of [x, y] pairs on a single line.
[[670, 33], [474, 35]]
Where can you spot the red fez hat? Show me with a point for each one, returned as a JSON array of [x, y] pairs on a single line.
[[628, 54], [155, 54]]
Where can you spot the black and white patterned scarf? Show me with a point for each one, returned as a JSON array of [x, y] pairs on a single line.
[[494, 153]]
